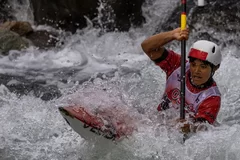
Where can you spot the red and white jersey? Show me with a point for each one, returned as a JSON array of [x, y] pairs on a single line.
[[199, 103]]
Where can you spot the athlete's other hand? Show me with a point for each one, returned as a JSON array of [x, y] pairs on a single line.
[[183, 126], [186, 127]]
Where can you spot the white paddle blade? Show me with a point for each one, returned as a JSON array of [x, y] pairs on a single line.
[[201, 3]]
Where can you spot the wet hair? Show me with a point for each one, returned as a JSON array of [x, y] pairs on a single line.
[[191, 59]]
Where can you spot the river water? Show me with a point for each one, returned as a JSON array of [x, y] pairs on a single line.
[[109, 71]]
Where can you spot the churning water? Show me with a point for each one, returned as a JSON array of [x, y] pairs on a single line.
[[108, 71]]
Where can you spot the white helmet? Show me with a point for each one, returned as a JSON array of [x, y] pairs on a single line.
[[206, 51]]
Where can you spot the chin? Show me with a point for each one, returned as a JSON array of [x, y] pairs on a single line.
[[197, 83]]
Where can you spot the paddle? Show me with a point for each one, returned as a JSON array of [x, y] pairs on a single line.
[[183, 60], [201, 3], [183, 65]]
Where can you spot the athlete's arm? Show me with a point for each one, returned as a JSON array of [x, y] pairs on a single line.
[[153, 46]]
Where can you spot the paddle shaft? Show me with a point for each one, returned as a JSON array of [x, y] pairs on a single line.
[[183, 60]]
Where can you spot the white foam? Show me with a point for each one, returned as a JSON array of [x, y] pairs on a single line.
[[34, 129]]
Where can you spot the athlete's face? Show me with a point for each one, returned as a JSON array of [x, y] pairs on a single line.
[[200, 72]]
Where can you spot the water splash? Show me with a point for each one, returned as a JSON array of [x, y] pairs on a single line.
[[105, 71]]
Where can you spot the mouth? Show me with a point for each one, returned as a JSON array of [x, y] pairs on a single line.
[[196, 78]]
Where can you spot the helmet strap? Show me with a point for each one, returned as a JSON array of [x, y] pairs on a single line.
[[214, 68], [212, 73]]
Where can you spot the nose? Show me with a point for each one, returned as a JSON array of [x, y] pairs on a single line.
[[197, 69]]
